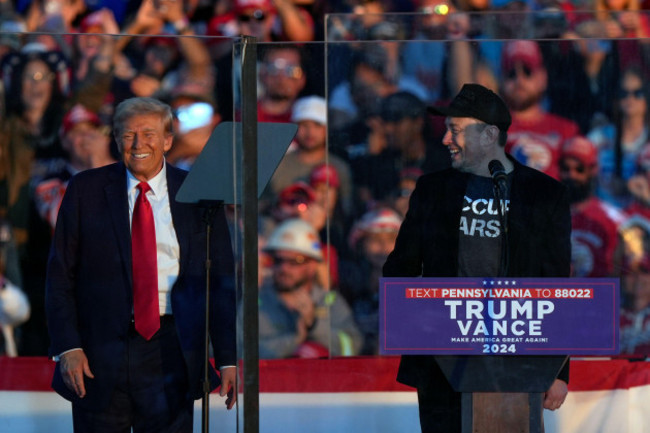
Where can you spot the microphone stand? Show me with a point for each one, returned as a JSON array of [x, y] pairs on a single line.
[[210, 208], [499, 196]]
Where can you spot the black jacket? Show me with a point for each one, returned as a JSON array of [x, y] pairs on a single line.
[[539, 222]]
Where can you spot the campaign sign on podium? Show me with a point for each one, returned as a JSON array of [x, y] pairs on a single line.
[[499, 316]]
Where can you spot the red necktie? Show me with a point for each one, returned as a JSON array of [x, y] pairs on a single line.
[[145, 266]]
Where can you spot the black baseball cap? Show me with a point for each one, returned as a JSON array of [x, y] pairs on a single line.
[[477, 102], [402, 104]]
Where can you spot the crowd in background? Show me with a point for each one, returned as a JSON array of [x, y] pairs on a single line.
[[331, 212]]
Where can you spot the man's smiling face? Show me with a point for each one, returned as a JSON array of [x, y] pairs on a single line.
[[143, 144], [463, 141]]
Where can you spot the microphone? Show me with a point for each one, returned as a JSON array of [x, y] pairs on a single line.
[[498, 173], [500, 179]]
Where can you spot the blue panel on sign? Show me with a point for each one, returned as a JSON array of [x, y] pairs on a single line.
[[502, 316]]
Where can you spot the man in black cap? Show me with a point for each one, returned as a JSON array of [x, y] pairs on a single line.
[[403, 125], [452, 229]]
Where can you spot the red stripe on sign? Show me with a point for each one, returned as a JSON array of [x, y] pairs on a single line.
[[26, 374], [354, 374]]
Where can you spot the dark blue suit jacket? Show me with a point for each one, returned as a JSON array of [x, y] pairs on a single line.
[[89, 295]]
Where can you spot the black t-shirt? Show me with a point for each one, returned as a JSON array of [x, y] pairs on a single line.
[[480, 240]]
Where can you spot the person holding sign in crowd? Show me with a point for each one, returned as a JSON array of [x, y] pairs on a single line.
[[453, 229]]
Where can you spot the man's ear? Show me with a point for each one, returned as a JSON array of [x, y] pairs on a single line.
[[492, 134]]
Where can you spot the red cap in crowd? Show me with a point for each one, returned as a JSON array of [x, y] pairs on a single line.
[[224, 25], [375, 221], [79, 114], [297, 193], [92, 23], [521, 51], [582, 149], [247, 5], [324, 174]]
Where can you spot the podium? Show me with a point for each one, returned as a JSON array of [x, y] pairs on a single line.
[[500, 342], [501, 393]]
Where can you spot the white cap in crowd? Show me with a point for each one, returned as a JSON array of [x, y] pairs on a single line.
[[375, 221], [310, 108], [298, 236]]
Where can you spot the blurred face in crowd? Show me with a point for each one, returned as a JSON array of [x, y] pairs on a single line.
[[301, 205], [368, 87], [292, 270], [281, 74], [256, 22], [326, 196], [90, 41], [37, 85], [406, 187], [311, 135], [400, 133], [158, 58], [577, 177], [632, 96], [511, 23], [575, 170], [377, 246], [369, 13], [463, 139], [637, 286], [524, 86], [84, 141], [143, 143]]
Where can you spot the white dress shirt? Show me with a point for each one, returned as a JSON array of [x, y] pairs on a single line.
[[166, 241]]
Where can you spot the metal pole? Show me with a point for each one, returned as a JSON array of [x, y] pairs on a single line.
[[205, 407], [249, 248]]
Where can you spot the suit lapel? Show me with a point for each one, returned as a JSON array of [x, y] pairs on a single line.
[[519, 214], [455, 198], [452, 202], [118, 207]]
